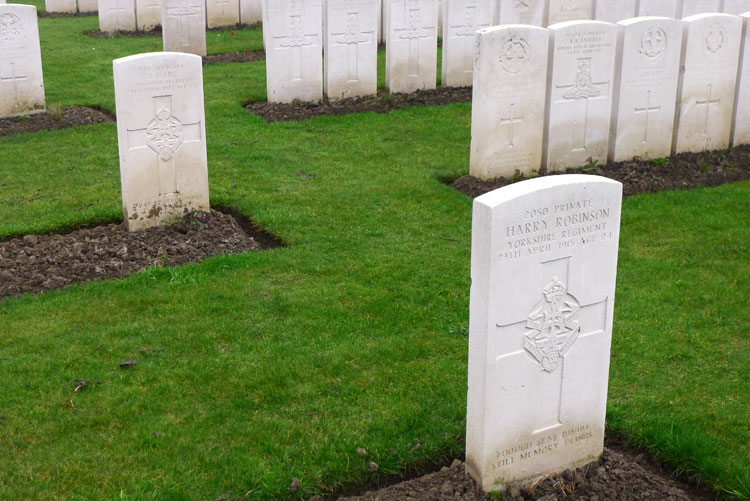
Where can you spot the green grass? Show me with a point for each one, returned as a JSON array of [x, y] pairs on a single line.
[[258, 368]]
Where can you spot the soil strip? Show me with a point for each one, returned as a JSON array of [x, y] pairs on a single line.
[[66, 14], [235, 57], [54, 118], [156, 31]]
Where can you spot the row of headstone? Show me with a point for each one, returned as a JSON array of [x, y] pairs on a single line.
[[646, 87], [71, 6]]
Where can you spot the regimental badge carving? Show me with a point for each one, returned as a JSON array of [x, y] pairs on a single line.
[[715, 39], [164, 134], [583, 87], [514, 54], [653, 43], [553, 326], [522, 4], [11, 27]]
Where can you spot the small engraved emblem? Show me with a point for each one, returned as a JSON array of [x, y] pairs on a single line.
[[654, 43], [715, 39], [522, 4], [514, 54], [553, 326], [164, 134], [10, 26], [583, 87]]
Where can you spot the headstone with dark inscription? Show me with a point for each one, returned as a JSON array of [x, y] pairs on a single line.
[[533, 12], [184, 26], [736, 7], [222, 13], [250, 11], [510, 87], [664, 8], [693, 7], [461, 20], [21, 79], [580, 93], [161, 136], [613, 11], [411, 45], [148, 14], [569, 10], [646, 88], [116, 15], [61, 6], [705, 103], [543, 267], [741, 125]]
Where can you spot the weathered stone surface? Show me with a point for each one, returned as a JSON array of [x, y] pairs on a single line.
[[250, 11], [462, 19], [62, 6], [87, 5], [116, 15], [21, 79], [693, 7], [222, 13], [533, 12], [184, 26], [736, 7], [665, 8], [161, 136], [613, 11], [411, 45], [741, 126], [569, 10], [148, 14]]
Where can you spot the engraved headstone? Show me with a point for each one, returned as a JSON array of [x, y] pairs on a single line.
[[569, 10], [184, 26], [613, 11], [510, 87], [736, 7], [646, 88], [21, 79], [88, 6], [411, 45], [664, 8], [222, 13], [292, 30], [351, 51], [161, 137], [250, 11], [462, 19], [63, 6], [116, 15], [741, 127], [533, 12], [693, 7], [580, 93], [148, 14], [543, 268], [705, 103]]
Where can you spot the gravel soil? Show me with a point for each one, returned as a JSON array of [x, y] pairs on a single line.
[[70, 117]]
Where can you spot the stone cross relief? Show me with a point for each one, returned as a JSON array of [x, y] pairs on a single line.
[[466, 29], [647, 110], [120, 12], [296, 40], [511, 121], [549, 331], [164, 136], [223, 4], [186, 15], [13, 78], [707, 102], [353, 37], [414, 32]]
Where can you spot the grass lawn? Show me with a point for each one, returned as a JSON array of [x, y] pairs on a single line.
[[258, 368]]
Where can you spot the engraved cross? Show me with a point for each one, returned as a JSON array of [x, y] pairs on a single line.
[[647, 111], [353, 37], [295, 42], [13, 79], [467, 30], [415, 32], [707, 102], [184, 15], [511, 121], [120, 11]]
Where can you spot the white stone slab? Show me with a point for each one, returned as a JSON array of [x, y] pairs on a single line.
[[88, 5], [462, 19], [66, 6], [250, 11], [292, 30], [736, 7], [222, 13], [510, 88], [580, 93], [693, 7], [351, 51], [711, 50], [645, 88], [116, 15], [21, 79], [741, 126], [148, 14], [613, 11], [411, 45], [184, 26], [161, 137], [664, 8], [533, 12], [543, 268], [569, 10]]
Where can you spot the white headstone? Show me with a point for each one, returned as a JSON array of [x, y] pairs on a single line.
[[184, 26], [250, 11], [148, 14], [161, 137], [88, 6], [543, 268], [461, 20], [613, 11], [510, 87], [664, 8], [736, 7], [532, 12], [646, 88], [294, 52], [569, 10], [711, 50], [116, 15], [64, 6], [580, 93], [21, 79], [693, 7], [222, 13], [411, 45], [741, 127]]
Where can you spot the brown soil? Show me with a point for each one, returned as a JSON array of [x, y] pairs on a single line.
[[155, 32], [235, 57], [66, 14], [686, 170], [49, 120], [39, 263], [383, 102]]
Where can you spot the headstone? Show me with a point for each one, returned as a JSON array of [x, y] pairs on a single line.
[[693, 7], [250, 11], [116, 15], [646, 88], [161, 136], [580, 93], [222, 13], [87, 6], [543, 268], [736, 7], [148, 14], [462, 19], [63, 6], [184, 26], [569, 10], [705, 102], [411, 45], [531, 12], [664, 8], [351, 51], [741, 127], [21, 79], [613, 11], [510, 87]]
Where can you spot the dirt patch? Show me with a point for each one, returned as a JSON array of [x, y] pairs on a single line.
[[154, 32], [686, 170], [235, 57], [39, 263], [66, 14], [54, 118], [383, 102]]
